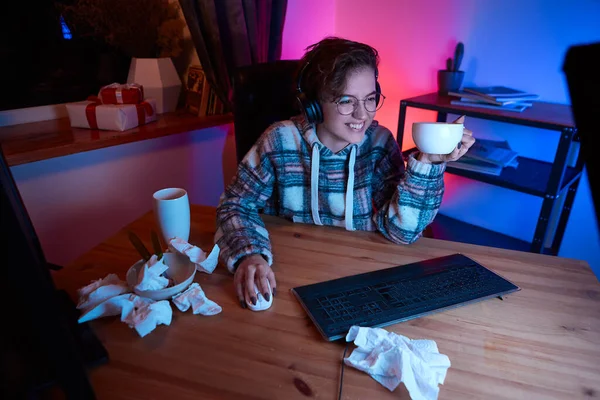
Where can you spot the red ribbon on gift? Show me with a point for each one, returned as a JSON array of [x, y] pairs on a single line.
[[116, 93], [143, 109], [90, 112]]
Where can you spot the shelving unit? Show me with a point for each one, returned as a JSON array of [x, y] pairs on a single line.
[[37, 141], [550, 181]]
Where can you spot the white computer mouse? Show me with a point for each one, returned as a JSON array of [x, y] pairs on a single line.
[[261, 303]]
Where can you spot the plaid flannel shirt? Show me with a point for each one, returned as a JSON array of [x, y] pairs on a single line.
[[365, 186]]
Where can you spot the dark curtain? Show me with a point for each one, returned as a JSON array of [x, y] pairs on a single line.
[[232, 33]]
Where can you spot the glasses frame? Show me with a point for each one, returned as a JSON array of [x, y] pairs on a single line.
[[358, 101]]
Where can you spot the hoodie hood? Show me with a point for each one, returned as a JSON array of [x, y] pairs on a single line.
[[318, 150], [308, 132]]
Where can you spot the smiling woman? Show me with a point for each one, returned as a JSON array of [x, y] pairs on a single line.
[[332, 165]]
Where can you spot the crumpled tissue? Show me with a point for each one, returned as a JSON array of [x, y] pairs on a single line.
[[390, 359], [149, 315], [140, 313], [150, 275], [99, 291], [204, 263], [194, 296]]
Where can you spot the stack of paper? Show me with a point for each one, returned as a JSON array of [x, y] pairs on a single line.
[[494, 97], [488, 157]]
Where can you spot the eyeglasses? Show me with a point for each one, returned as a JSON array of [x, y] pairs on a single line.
[[347, 104]]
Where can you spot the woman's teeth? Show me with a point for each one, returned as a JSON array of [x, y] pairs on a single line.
[[357, 127]]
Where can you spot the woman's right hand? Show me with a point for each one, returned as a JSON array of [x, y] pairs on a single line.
[[254, 269]]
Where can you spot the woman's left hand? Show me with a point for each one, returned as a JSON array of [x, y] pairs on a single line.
[[465, 144]]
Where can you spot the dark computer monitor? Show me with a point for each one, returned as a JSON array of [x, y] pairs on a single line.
[[41, 343], [583, 80]]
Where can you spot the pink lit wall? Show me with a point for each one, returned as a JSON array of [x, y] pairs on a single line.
[[306, 22], [512, 42]]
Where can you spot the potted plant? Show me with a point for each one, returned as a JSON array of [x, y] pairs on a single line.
[[148, 31]]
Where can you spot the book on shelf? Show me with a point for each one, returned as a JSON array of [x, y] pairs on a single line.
[[198, 92], [469, 164], [493, 98], [215, 105], [487, 157], [491, 151], [472, 97], [195, 86], [513, 106], [201, 99], [501, 93]]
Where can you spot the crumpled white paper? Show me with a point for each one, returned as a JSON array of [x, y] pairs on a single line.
[[204, 263], [149, 315], [194, 296], [99, 291], [390, 359], [140, 313], [150, 275], [118, 305]]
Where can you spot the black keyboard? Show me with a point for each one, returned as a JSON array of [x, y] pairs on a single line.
[[397, 294]]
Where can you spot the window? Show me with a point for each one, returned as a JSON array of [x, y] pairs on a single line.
[[44, 62], [66, 32]]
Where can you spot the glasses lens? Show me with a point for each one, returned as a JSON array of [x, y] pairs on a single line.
[[371, 103], [346, 105]]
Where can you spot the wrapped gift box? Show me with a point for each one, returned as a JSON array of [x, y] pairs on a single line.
[[115, 93], [111, 117]]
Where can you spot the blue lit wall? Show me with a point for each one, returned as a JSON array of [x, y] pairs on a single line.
[[519, 43]]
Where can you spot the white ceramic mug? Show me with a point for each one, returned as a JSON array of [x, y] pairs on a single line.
[[172, 212], [437, 137]]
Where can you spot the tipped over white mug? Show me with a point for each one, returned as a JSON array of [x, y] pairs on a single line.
[[172, 212], [437, 137]]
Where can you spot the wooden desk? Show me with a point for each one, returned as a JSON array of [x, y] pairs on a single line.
[[540, 343]]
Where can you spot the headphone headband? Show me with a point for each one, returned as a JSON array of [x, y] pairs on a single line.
[[301, 73], [299, 83], [311, 108]]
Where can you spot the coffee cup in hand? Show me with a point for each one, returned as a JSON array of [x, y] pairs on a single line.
[[437, 137]]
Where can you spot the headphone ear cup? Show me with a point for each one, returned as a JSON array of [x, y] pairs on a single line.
[[377, 96], [304, 105], [317, 112], [311, 109]]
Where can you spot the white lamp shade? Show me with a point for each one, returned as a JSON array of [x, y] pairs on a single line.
[[160, 80]]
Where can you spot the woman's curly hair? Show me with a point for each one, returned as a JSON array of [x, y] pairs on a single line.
[[328, 62]]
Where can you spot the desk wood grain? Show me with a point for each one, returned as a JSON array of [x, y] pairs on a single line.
[[540, 343]]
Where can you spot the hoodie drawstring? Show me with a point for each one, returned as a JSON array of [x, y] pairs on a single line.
[[350, 191], [314, 188], [314, 184]]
